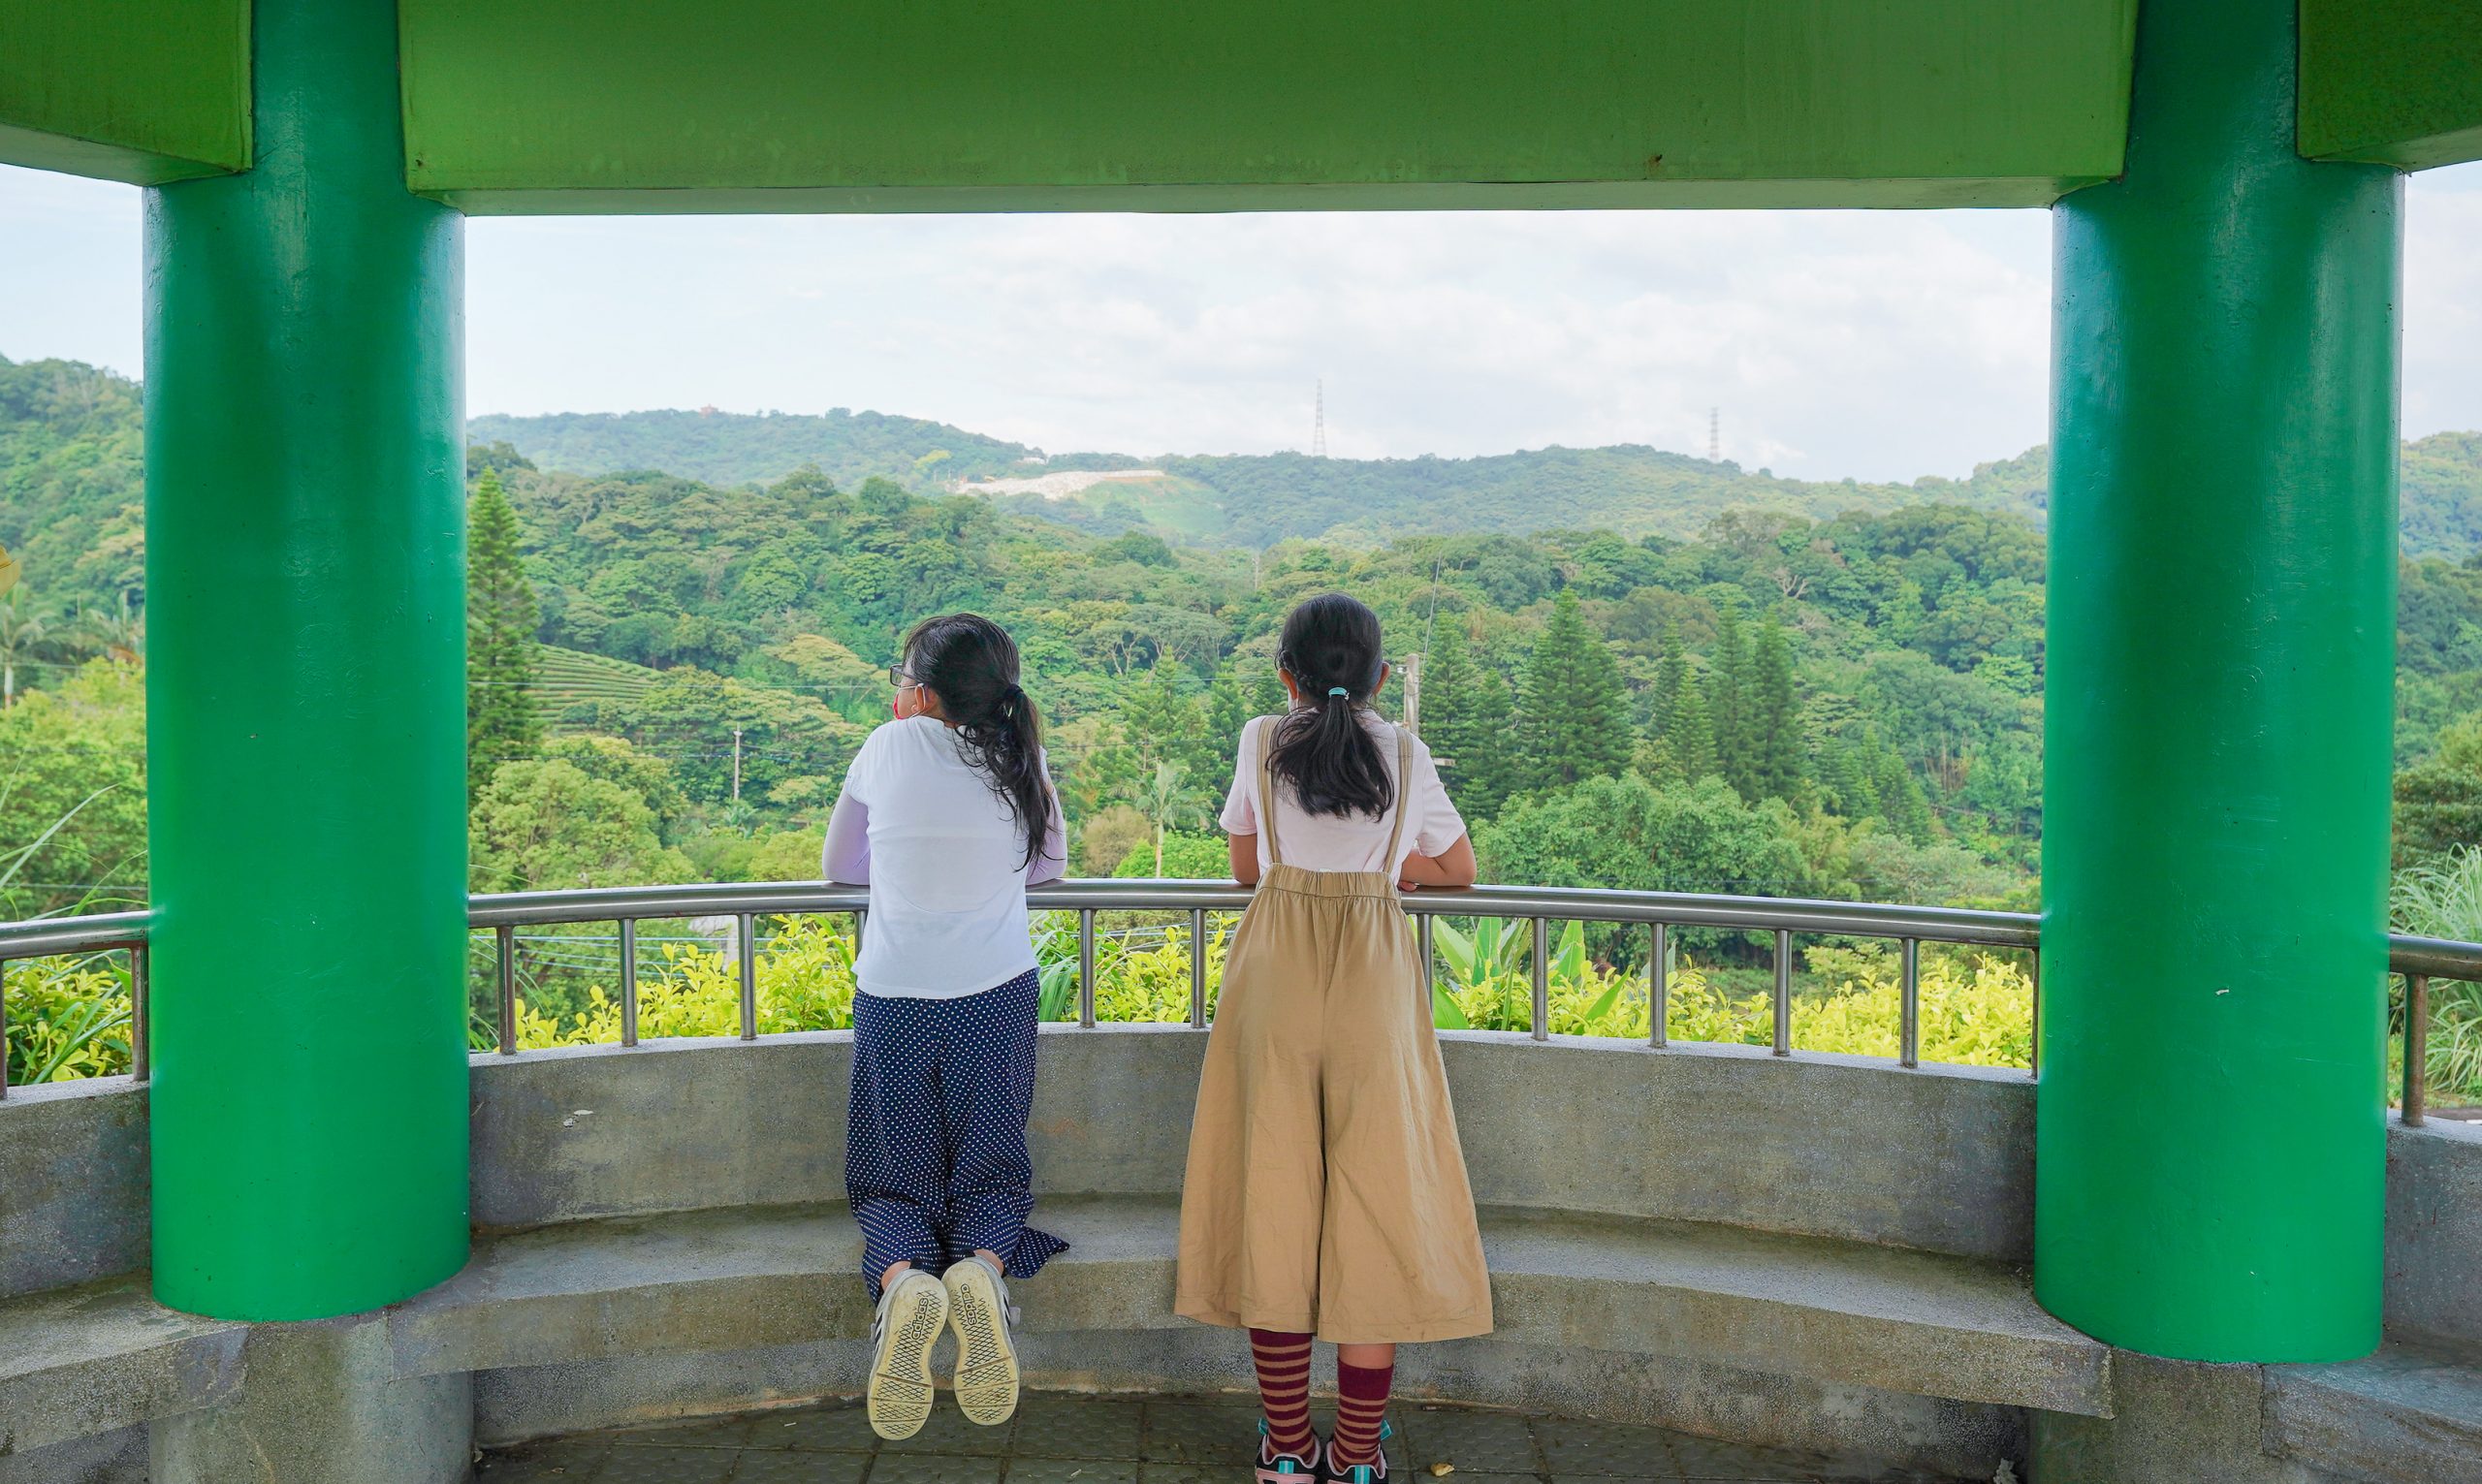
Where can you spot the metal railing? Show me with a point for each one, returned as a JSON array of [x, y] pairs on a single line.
[[1660, 913]]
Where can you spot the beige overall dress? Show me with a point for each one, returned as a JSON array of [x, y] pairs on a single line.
[[1326, 1193]]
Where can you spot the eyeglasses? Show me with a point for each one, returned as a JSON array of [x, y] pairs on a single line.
[[901, 680]]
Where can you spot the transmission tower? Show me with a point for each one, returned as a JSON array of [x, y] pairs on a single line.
[[1318, 421], [1714, 435]]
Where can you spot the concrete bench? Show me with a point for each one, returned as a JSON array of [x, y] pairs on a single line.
[[77, 1361], [2404, 1414], [1830, 1311]]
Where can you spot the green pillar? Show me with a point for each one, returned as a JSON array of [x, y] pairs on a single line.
[[2211, 1123], [305, 698]]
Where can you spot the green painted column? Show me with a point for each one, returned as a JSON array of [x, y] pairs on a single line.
[[305, 698], [2210, 1124]]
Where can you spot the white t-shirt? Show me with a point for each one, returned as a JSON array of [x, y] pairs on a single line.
[[946, 861], [1349, 841]]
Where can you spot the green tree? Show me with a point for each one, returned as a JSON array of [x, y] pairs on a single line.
[[538, 826], [1727, 700], [1689, 742], [75, 751], [1464, 721], [1771, 737], [1671, 672], [1571, 723], [500, 618], [1169, 801], [2438, 800]]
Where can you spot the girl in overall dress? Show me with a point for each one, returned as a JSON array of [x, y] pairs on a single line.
[[948, 813], [1326, 1193]]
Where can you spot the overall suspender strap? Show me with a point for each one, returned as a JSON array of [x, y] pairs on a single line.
[[1404, 776], [1267, 788]]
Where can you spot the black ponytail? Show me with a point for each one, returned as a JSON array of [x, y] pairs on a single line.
[[1331, 648], [971, 664]]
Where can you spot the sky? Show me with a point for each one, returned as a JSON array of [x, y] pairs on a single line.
[[1829, 344]]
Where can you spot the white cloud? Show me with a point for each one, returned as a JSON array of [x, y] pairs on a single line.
[[1880, 345]]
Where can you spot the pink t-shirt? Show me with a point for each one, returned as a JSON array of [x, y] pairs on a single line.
[[1349, 841]]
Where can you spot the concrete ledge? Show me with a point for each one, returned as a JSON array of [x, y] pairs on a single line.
[[2402, 1413], [1831, 1312], [77, 1362]]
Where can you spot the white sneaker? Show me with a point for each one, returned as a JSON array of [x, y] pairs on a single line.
[[913, 1311], [978, 1312]]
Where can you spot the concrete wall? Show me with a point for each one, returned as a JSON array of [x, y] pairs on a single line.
[[1940, 1159], [73, 1183], [2435, 1234]]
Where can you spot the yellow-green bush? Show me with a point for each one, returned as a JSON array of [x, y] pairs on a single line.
[[68, 1019]]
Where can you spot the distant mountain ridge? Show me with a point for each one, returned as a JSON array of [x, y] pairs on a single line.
[[1258, 499]]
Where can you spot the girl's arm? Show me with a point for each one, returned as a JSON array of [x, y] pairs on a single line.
[[1051, 863], [847, 856], [1244, 851], [1452, 868]]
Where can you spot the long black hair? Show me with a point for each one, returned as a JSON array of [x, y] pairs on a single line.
[[971, 664], [1331, 648]]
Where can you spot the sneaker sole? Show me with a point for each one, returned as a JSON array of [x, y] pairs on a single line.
[[901, 1389], [986, 1379]]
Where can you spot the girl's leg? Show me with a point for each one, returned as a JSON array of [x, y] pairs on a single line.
[[895, 1173], [1364, 1373], [1282, 1362], [986, 1093]]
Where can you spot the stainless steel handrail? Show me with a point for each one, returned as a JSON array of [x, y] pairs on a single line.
[[2419, 960]]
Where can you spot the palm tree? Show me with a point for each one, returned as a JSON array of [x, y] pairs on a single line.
[[1169, 801], [120, 637], [22, 639]]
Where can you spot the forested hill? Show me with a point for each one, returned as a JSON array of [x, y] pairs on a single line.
[[1260, 499]]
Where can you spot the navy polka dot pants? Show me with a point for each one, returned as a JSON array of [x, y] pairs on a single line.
[[935, 1132]]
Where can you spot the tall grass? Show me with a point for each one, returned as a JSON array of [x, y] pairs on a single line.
[[2442, 899]]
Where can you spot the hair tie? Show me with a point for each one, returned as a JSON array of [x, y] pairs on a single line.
[[1338, 690]]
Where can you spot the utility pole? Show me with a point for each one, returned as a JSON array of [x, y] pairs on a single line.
[[736, 765], [1318, 421], [1714, 435], [1413, 693]]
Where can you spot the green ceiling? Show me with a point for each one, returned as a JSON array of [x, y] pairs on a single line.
[[137, 90], [542, 105], [2392, 81], [1014, 105]]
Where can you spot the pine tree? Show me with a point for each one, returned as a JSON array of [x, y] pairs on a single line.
[[1773, 731], [1902, 804], [1672, 672], [501, 617], [1266, 691], [1465, 717], [1727, 670], [1690, 739], [1573, 722]]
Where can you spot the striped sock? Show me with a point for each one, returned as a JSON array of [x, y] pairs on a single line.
[[1284, 1389], [1361, 1404]]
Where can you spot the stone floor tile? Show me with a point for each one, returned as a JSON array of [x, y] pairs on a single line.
[[705, 1433], [1602, 1450], [544, 1463], [1069, 1470], [1704, 1459], [933, 1468], [1186, 1432], [1474, 1442], [832, 1429], [1077, 1427], [948, 1432], [1192, 1473], [788, 1467], [668, 1465]]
